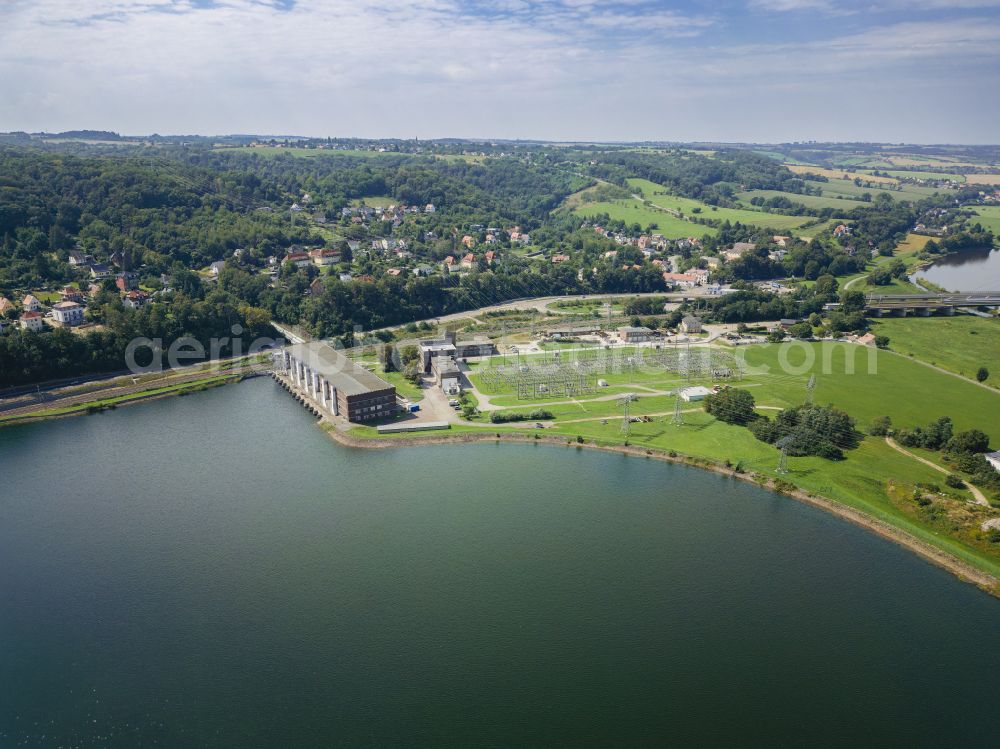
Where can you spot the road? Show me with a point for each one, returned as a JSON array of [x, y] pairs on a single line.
[[977, 495]]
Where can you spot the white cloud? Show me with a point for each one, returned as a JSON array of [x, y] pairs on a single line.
[[520, 68]]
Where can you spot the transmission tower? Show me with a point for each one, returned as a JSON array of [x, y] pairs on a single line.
[[678, 414], [810, 387], [783, 443], [625, 401]]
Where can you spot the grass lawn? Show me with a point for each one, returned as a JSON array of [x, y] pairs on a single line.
[[632, 211], [659, 196], [910, 393], [809, 201], [842, 188], [960, 344], [989, 217]]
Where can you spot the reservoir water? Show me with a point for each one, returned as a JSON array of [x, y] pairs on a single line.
[[971, 270], [212, 570]]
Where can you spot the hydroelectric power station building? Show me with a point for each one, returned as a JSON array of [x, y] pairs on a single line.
[[338, 384]]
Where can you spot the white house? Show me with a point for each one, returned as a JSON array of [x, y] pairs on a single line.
[[68, 313], [32, 321], [31, 303]]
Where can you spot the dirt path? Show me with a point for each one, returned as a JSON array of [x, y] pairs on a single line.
[[976, 493]]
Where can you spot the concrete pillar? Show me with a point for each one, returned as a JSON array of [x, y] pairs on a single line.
[[295, 370], [322, 391], [949, 311], [333, 401]]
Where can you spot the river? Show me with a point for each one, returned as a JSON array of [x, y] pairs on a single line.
[[971, 270], [212, 570]]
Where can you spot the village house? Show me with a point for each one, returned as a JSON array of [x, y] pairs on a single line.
[[690, 325], [68, 294], [216, 268], [684, 280], [5, 305], [135, 299], [100, 271], [738, 250], [30, 303], [32, 321], [490, 257], [299, 259], [394, 271], [323, 257], [469, 260], [127, 281], [560, 258], [79, 259], [468, 241], [68, 313]]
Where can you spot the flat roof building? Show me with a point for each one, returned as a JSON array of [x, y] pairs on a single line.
[[343, 387]]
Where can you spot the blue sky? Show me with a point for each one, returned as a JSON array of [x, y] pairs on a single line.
[[734, 70]]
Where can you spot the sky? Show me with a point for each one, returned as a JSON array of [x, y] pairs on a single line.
[[916, 71]]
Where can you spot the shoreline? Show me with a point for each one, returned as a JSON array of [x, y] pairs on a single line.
[[929, 553]]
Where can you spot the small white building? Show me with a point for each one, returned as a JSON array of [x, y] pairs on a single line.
[[32, 321], [696, 393], [31, 303], [993, 459], [68, 313]]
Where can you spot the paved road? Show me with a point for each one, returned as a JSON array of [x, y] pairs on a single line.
[[977, 495]]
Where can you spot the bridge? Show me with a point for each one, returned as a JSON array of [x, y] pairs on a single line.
[[926, 304]]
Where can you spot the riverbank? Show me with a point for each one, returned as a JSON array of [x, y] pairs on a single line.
[[924, 550], [113, 392]]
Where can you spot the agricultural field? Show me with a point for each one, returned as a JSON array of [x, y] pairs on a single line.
[[912, 244], [632, 211], [659, 197], [837, 174], [847, 188], [982, 179], [954, 177], [809, 201], [989, 217], [960, 344]]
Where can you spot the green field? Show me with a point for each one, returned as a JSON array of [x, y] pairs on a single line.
[[960, 344], [989, 217], [375, 201], [898, 174], [846, 188], [659, 196], [632, 211], [809, 201]]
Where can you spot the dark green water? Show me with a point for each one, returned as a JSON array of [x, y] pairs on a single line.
[[213, 571]]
